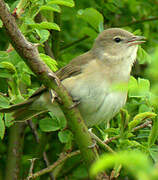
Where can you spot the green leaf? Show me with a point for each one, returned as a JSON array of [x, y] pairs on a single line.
[[139, 118], [89, 32], [65, 136], [33, 10], [8, 120], [4, 102], [1, 24], [49, 61], [144, 108], [69, 3], [9, 66], [26, 78], [124, 120], [3, 54], [140, 88], [21, 67], [144, 84], [112, 8], [51, 7], [135, 161], [45, 25], [153, 133], [92, 17], [61, 119], [49, 124], [5, 74], [43, 34], [153, 152], [2, 126], [143, 57]]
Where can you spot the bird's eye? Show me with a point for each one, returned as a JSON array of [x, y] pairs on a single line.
[[117, 39]]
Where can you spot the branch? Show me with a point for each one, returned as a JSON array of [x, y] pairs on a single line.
[[31, 167], [15, 149], [139, 21], [101, 143], [74, 43], [142, 126], [30, 55], [56, 36], [51, 167]]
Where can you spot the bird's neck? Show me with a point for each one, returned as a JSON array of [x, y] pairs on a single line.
[[117, 68]]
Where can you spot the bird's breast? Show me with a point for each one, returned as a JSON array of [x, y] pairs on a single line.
[[97, 102]]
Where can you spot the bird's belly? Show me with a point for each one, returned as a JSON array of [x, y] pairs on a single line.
[[102, 108], [97, 103]]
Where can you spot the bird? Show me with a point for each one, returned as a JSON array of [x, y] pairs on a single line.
[[88, 78]]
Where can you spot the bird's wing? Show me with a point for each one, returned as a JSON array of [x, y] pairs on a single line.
[[68, 71], [72, 69]]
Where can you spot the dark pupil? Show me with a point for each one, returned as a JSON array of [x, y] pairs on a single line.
[[117, 40]]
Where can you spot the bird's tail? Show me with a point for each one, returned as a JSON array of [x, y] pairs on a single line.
[[23, 111]]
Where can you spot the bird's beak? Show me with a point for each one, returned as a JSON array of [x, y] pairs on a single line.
[[135, 40]]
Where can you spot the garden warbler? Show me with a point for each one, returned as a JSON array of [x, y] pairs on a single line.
[[88, 78]]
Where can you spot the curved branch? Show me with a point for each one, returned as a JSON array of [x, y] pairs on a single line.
[[30, 55], [51, 167], [74, 42]]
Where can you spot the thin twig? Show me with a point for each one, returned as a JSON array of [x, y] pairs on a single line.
[[31, 167], [111, 139], [74, 42], [139, 21], [47, 48], [142, 126], [56, 36], [101, 143], [4, 95], [34, 131], [51, 167]]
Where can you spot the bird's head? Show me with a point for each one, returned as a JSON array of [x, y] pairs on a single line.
[[116, 44]]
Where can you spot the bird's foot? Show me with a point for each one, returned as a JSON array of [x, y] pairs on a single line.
[[75, 104], [93, 145], [54, 96], [54, 77]]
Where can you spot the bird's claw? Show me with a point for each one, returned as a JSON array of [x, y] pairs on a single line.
[[54, 96], [93, 145], [75, 103]]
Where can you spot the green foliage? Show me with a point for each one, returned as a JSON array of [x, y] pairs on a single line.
[[69, 3], [2, 127], [51, 7], [1, 23], [135, 162], [49, 61], [73, 26], [65, 136], [45, 25], [139, 118], [92, 17], [51, 123]]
